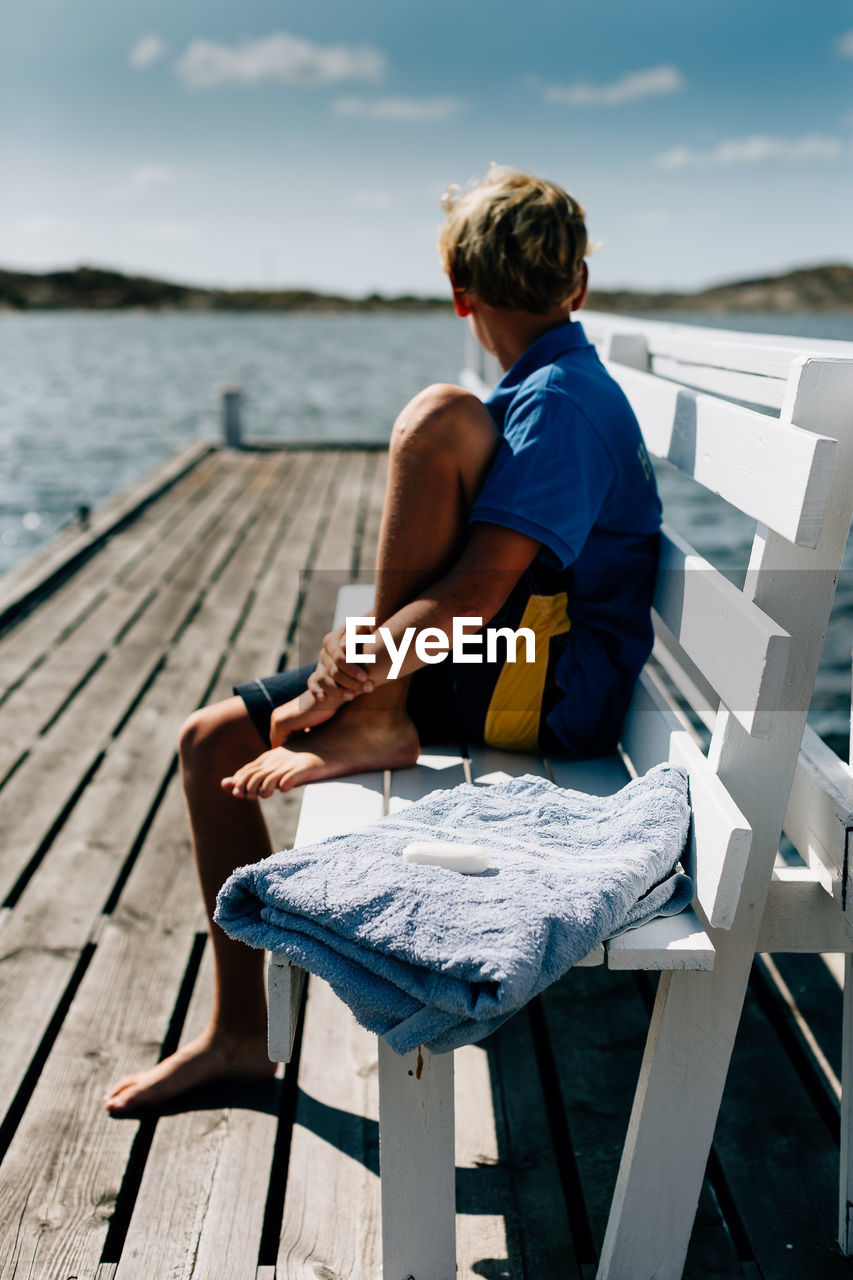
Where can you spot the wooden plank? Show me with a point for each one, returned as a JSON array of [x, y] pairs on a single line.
[[720, 838], [200, 1208], [740, 651], [819, 818], [331, 1209], [669, 942], [25, 821], [262, 640], [332, 566], [771, 470], [56, 617], [61, 1175], [800, 916], [601, 777], [61, 902], [489, 765], [510, 1201], [747, 388], [370, 540], [38, 701], [765, 353], [40, 570]]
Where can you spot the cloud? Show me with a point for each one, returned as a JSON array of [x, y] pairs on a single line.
[[146, 51], [400, 110], [651, 83], [150, 175], [280, 58], [755, 149], [845, 44]]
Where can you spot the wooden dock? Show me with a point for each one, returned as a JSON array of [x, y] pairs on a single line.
[[220, 568]]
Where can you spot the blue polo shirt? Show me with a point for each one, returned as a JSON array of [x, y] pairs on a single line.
[[572, 472]]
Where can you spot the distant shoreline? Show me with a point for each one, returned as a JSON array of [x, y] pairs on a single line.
[[827, 288]]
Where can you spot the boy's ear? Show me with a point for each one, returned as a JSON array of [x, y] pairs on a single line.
[[461, 302], [580, 297]]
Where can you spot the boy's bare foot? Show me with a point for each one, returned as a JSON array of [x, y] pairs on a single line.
[[350, 743], [301, 713], [202, 1061]]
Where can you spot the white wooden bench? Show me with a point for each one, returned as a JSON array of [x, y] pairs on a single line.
[[741, 662]]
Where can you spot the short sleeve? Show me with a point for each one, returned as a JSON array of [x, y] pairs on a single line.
[[551, 474]]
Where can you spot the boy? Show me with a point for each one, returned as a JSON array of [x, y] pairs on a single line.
[[537, 509]]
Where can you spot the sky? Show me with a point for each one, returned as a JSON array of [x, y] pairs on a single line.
[[283, 144]]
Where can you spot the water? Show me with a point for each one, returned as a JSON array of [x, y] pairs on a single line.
[[91, 402]]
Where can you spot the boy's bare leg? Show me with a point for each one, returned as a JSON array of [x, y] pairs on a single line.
[[225, 833], [441, 447]]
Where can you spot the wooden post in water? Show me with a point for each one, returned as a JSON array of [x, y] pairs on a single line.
[[232, 406]]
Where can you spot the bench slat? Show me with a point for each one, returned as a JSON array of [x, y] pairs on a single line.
[[670, 942], [774, 472], [800, 916], [819, 819], [771, 355], [720, 836], [737, 648], [731, 383]]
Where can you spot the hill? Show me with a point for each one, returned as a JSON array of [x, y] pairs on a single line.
[[96, 289], [821, 288]]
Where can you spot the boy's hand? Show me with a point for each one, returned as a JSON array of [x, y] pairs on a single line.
[[296, 716], [333, 676]]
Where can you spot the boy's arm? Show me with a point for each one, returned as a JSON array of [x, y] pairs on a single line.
[[491, 563]]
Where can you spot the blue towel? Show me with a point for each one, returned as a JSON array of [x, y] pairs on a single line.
[[424, 955]]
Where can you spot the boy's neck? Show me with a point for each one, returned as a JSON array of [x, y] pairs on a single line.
[[507, 334]]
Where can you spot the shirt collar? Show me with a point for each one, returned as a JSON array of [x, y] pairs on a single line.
[[545, 350]]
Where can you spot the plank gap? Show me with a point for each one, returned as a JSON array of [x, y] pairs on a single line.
[[135, 1167], [137, 613], [580, 1226], [14, 767], [24, 676], [733, 1224], [313, 552], [779, 1008], [52, 832], [25, 1090], [76, 688], [139, 840], [362, 513]]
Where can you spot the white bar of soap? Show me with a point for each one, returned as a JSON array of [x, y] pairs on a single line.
[[468, 859]]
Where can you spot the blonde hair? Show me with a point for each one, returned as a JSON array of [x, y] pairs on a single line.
[[514, 241]]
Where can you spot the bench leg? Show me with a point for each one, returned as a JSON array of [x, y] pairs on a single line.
[[417, 1165], [845, 1187], [672, 1124]]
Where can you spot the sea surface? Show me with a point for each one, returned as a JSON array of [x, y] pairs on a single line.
[[92, 402]]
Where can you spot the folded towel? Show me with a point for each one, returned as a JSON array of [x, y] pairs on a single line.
[[424, 955]]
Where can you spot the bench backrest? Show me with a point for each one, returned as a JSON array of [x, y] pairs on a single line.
[[758, 649], [745, 659]]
